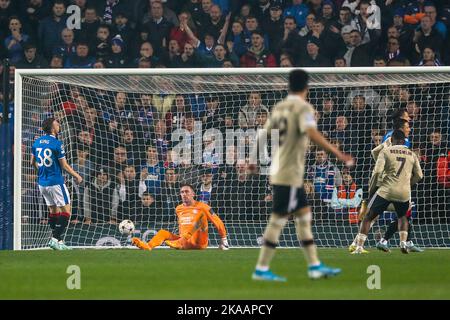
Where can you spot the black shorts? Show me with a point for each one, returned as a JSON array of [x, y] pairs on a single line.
[[378, 205], [287, 199]]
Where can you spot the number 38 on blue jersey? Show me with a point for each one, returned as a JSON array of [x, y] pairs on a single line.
[[47, 151]]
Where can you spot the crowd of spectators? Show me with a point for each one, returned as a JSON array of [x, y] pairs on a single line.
[[121, 142], [224, 33]]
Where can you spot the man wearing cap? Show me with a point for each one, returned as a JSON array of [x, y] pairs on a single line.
[[314, 58], [31, 60], [98, 196], [273, 25], [117, 58]]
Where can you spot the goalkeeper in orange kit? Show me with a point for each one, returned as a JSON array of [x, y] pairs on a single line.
[[193, 217]]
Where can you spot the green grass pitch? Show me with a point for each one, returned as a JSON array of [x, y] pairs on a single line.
[[215, 274]]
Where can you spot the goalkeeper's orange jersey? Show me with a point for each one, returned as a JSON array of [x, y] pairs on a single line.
[[194, 219]]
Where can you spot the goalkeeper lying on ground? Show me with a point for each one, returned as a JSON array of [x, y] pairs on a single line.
[[193, 217]]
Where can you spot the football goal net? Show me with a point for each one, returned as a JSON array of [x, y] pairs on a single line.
[[136, 135]]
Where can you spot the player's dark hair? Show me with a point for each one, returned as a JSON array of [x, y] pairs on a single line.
[[399, 123], [298, 80], [398, 137], [397, 114], [47, 125], [187, 185]]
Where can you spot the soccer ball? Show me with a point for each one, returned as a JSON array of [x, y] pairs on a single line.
[[260, 241], [126, 227]]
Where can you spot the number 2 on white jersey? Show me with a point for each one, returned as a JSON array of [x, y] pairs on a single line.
[[281, 124], [46, 161]]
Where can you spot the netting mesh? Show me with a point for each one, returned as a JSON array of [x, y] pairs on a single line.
[[129, 136]]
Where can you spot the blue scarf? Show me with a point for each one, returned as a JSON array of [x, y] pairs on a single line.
[[107, 17]]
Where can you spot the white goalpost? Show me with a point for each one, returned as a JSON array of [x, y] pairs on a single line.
[[135, 135]]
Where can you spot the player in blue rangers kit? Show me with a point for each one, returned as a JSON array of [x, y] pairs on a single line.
[[49, 159], [397, 116]]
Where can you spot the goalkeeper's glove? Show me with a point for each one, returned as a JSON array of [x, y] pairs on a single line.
[[224, 244]]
